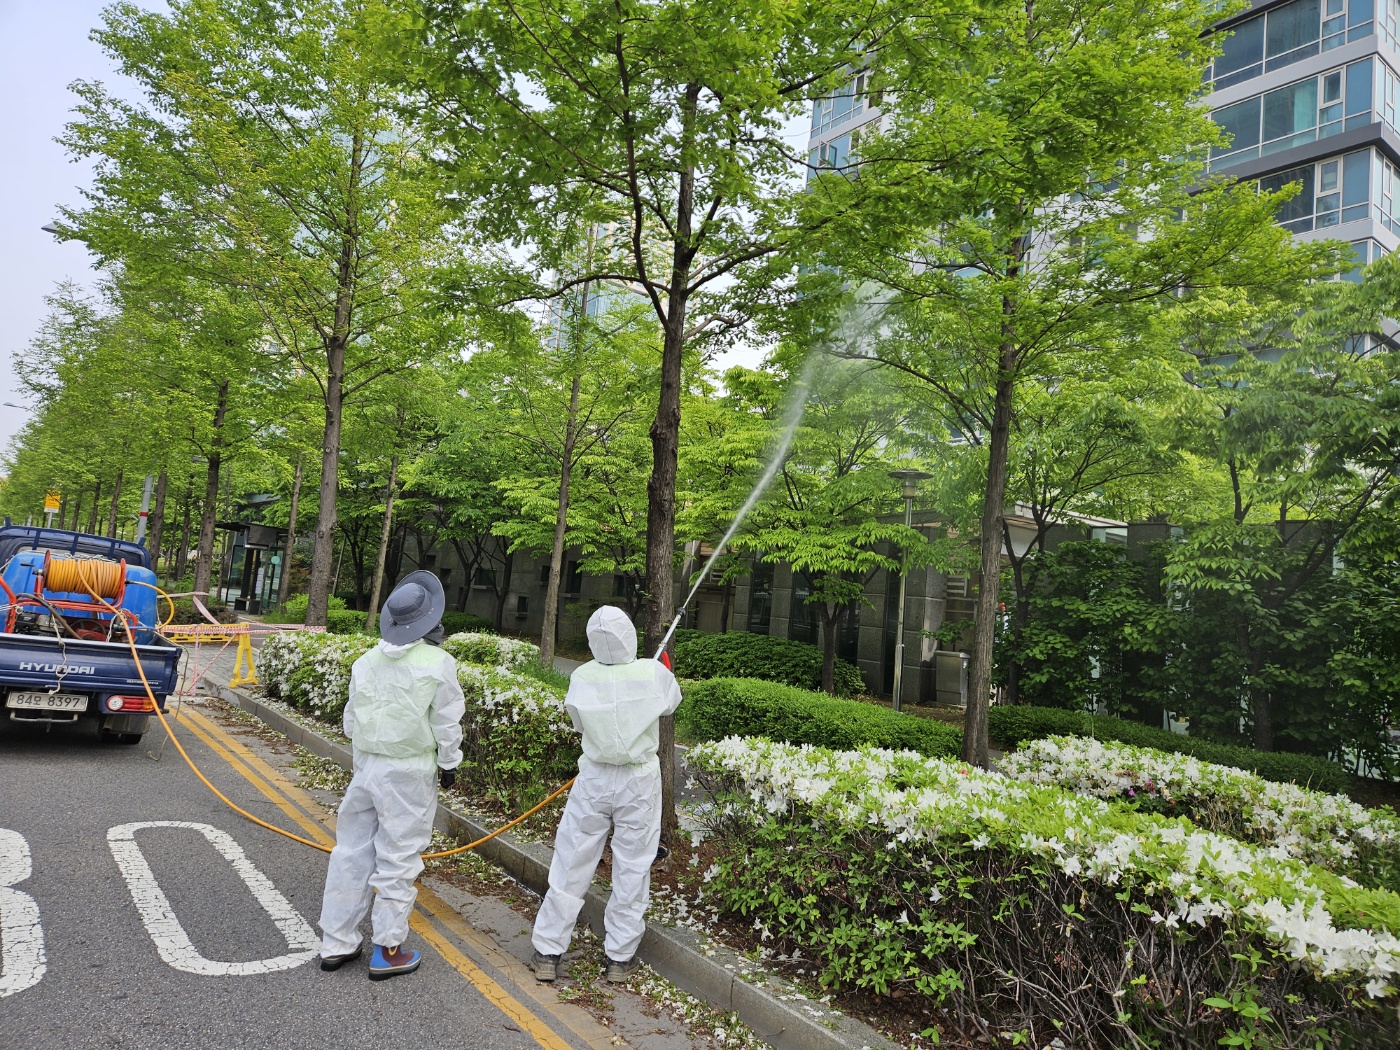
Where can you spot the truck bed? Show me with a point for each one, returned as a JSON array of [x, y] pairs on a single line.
[[41, 663]]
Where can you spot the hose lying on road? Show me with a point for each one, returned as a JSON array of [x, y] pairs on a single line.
[[155, 704]]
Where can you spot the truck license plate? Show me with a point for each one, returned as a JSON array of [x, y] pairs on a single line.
[[48, 701]]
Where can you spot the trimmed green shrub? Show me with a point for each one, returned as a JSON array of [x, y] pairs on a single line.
[[724, 707], [458, 622], [1012, 726], [347, 621], [699, 655]]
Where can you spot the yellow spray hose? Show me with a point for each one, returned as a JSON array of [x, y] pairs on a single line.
[[155, 704]]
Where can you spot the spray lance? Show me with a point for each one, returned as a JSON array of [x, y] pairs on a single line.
[[791, 419]]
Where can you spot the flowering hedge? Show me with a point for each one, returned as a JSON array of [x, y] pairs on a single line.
[[518, 741], [1030, 908], [490, 650], [312, 671], [1313, 826], [1012, 725]]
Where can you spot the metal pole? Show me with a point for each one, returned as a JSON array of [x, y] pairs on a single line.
[[895, 695], [145, 508]]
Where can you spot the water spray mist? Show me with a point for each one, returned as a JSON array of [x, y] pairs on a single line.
[[791, 419]]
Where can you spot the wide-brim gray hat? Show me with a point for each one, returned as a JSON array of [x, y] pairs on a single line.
[[413, 609]]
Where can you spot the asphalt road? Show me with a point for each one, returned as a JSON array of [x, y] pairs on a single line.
[[199, 930]]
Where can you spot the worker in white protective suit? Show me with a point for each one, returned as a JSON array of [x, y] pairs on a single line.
[[616, 702], [404, 719]]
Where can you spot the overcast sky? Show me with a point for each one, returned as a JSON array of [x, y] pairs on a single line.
[[44, 47]]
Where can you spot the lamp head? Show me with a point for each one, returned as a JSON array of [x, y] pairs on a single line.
[[911, 479]]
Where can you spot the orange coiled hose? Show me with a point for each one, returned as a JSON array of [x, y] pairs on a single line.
[[101, 579]]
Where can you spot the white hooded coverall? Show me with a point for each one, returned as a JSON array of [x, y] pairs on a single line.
[[616, 702], [404, 719]]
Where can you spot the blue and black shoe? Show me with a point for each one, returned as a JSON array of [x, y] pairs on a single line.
[[390, 962]]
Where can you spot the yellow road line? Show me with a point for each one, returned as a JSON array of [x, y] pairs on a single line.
[[315, 830], [575, 1018], [325, 825], [278, 789], [508, 1004]]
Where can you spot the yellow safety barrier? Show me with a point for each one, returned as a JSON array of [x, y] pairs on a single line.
[[243, 658]]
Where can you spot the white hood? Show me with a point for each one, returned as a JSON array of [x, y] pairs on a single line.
[[612, 636], [395, 652]]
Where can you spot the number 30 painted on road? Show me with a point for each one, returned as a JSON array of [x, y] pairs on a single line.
[[22, 962]]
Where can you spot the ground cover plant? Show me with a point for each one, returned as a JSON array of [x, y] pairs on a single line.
[[1014, 725], [1031, 909], [518, 741], [722, 707], [738, 654], [1313, 826]]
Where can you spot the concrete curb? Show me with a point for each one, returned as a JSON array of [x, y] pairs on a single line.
[[774, 1009]]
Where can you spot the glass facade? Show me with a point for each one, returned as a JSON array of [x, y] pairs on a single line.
[[1318, 107], [1337, 190], [1295, 31], [848, 102]]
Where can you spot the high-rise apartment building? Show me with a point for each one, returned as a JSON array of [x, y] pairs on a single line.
[[1308, 92]]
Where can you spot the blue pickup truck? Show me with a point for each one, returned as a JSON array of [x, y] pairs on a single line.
[[64, 655]]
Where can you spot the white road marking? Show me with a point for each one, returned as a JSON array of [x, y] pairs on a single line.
[[22, 963], [170, 938]]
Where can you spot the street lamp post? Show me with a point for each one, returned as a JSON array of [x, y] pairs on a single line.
[[910, 479]]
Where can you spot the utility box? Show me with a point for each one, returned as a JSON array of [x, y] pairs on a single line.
[[950, 677]]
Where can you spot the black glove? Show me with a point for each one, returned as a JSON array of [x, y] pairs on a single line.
[[446, 778]]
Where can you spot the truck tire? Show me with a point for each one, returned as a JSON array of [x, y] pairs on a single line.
[[124, 729]]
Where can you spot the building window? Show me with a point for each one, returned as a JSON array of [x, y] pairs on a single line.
[[1293, 32], [1316, 108], [522, 606], [802, 618], [760, 598], [573, 578], [544, 573], [1332, 192], [958, 604], [484, 578], [848, 639], [846, 103]]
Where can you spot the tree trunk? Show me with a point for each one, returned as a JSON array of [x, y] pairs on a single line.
[[503, 592], [323, 554], [77, 510], [831, 621], [112, 511], [725, 603], [1260, 702], [1018, 627], [204, 556], [96, 501], [979, 687], [377, 586], [661, 486], [285, 583], [182, 556], [561, 521], [157, 519]]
